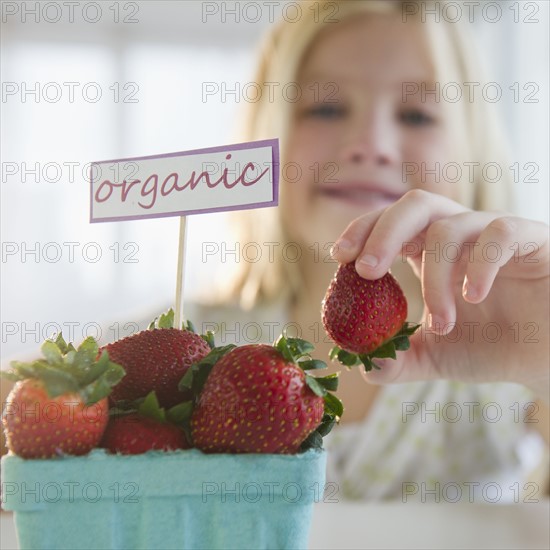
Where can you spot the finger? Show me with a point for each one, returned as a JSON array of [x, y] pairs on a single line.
[[504, 240], [399, 225], [411, 366], [437, 275], [352, 240], [442, 272], [430, 357]]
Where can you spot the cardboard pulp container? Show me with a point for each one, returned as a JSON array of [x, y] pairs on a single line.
[[181, 499]]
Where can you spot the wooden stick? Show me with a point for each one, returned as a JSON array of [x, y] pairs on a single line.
[[178, 310]]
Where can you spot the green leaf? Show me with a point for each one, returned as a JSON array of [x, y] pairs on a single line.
[[408, 329], [201, 372], [368, 363], [348, 359], [196, 375], [310, 364], [56, 381], [51, 352], [189, 326], [180, 413], [333, 353], [292, 349], [150, 408], [312, 441], [281, 345], [77, 371], [209, 339], [86, 353], [93, 372], [70, 357], [11, 375], [61, 344], [26, 370], [112, 376], [329, 382], [126, 406], [186, 383], [385, 350], [216, 354], [401, 343], [299, 347], [166, 320], [315, 386], [101, 387], [95, 391], [333, 405], [328, 422]]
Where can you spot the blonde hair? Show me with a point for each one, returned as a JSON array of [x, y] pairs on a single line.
[[282, 53]]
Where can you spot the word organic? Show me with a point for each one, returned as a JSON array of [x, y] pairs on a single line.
[[191, 182]]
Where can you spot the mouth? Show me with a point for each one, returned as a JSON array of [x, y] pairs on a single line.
[[361, 195]]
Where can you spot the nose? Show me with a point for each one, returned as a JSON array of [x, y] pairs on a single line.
[[370, 139]]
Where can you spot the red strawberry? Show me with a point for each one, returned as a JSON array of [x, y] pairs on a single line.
[[258, 399], [366, 319], [145, 427], [134, 434], [59, 404], [156, 360]]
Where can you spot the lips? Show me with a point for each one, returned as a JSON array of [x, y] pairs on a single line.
[[361, 194]]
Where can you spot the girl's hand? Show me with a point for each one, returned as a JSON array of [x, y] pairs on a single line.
[[485, 284]]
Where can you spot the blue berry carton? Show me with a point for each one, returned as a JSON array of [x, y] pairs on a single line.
[[162, 500]]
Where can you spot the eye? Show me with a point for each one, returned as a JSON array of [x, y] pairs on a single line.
[[325, 111], [416, 117]]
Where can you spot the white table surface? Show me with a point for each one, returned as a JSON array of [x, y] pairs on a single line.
[[429, 525], [410, 526]]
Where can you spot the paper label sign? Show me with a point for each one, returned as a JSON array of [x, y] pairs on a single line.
[[230, 177]]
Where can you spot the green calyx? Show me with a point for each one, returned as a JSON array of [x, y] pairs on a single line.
[[388, 349], [66, 369], [298, 351], [166, 320], [197, 374], [149, 407]]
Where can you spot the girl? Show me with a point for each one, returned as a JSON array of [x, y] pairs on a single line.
[[361, 140]]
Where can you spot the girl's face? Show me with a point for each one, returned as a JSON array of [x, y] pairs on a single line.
[[358, 136]]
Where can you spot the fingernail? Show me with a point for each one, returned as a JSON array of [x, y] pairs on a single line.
[[468, 291], [369, 260], [342, 244], [435, 322]]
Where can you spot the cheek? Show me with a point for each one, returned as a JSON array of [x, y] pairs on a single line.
[[305, 152], [307, 145], [295, 190], [308, 148], [428, 164], [295, 183]]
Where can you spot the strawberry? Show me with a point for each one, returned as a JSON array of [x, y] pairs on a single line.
[[134, 434], [258, 399], [366, 319], [147, 428], [59, 404], [156, 359]]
